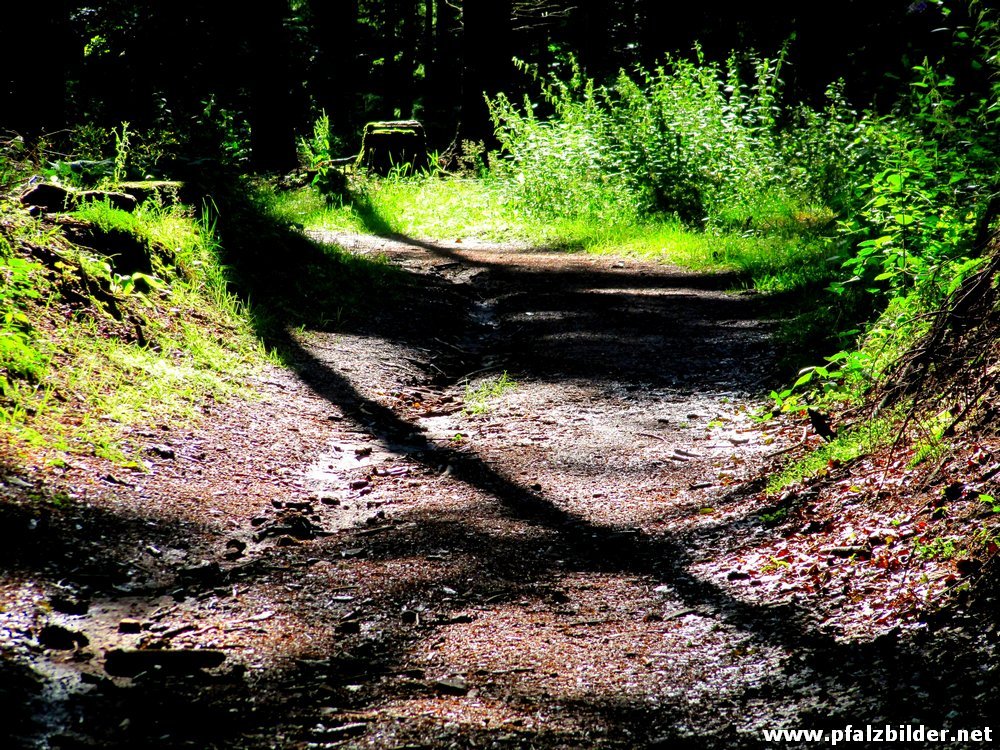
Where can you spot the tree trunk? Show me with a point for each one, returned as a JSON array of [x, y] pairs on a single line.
[[33, 90], [487, 42], [272, 132], [335, 34], [443, 81]]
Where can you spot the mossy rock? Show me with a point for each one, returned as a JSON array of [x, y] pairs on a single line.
[[391, 143], [166, 192], [127, 252]]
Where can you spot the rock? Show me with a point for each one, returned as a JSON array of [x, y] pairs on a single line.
[[349, 627], [235, 549], [205, 572], [69, 605], [290, 524], [166, 192], [121, 662], [737, 575], [451, 686], [127, 252], [63, 639], [129, 625], [162, 451], [344, 731], [121, 201], [53, 198], [89, 171], [410, 617], [48, 196], [302, 505], [847, 551], [814, 527], [359, 484]]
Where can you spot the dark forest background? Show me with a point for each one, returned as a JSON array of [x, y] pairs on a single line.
[[215, 75]]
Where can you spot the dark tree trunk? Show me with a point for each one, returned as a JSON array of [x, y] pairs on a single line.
[[444, 75], [336, 34], [487, 64], [37, 51], [408, 39], [271, 113]]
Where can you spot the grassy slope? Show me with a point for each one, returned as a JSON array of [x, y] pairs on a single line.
[[102, 348]]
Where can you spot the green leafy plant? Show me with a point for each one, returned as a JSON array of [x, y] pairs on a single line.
[[938, 548], [691, 137], [318, 154], [992, 502], [20, 356], [478, 397], [122, 148], [847, 446]]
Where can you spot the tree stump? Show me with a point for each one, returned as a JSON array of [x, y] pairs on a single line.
[[389, 144]]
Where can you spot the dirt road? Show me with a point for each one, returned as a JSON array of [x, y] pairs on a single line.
[[357, 561]]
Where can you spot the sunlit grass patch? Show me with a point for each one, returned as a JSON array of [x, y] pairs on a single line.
[[126, 354], [463, 208], [479, 397], [853, 443]]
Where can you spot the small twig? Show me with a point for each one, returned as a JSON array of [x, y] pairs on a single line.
[[651, 435], [789, 449]]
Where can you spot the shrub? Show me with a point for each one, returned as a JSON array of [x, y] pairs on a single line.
[[690, 138]]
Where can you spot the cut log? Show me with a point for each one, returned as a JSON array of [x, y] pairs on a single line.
[[54, 198], [388, 144]]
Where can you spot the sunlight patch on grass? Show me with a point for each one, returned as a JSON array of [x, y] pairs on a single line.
[[463, 208], [194, 341]]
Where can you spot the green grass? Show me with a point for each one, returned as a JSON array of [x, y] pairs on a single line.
[[92, 382], [854, 443], [769, 262], [787, 257], [478, 398]]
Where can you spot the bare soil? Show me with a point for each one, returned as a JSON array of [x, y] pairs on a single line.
[[355, 561]]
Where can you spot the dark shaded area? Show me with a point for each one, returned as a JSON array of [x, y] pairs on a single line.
[[215, 80]]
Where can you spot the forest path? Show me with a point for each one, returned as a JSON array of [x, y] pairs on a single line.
[[541, 556], [375, 567]]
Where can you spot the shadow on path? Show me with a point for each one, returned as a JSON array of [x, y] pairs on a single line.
[[669, 341]]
